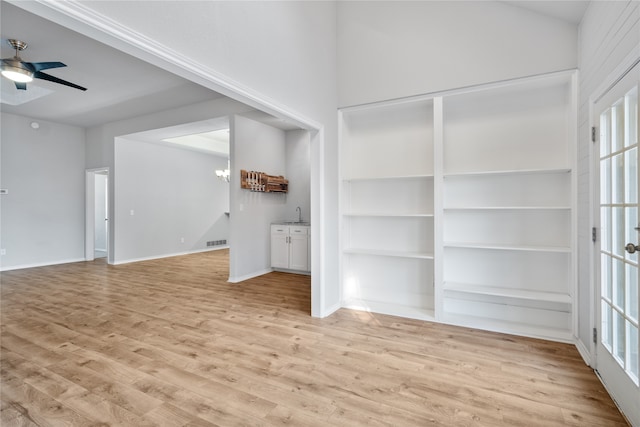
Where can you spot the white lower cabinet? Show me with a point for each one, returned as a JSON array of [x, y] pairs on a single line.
[[290, 247]]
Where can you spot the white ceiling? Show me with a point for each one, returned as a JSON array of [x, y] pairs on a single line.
[[570, 11], [207, 136], [119, 85]]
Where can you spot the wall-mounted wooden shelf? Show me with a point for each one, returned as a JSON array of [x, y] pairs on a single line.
[[262, 182]]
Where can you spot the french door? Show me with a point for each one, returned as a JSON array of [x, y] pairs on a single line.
[[617, 359]]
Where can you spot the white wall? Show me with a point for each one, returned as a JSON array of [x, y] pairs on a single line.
[[609, 32], [280, 54], [298, 152], [100, 205], [390, 49], [43, 214], [101, 146], [173, 193], [258, 147]]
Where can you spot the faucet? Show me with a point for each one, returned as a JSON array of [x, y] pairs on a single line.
[[299, 210]]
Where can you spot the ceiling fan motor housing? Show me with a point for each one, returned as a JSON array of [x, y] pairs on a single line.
[[17, 45]]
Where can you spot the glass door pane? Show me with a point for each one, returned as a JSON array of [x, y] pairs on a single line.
[[619, 222]]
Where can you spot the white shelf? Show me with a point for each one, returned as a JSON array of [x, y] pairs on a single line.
[[397, 254], [509, 208], [515, 328], [481, 184], [389, 309], [389, 215], [528, 248], [540, 171], [507, 292], [388, 178]]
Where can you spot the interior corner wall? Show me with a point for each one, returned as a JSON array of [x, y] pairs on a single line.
[[609, 33], [43, 215], [254, 147], [298, 156], [390, 49], [168, 201]]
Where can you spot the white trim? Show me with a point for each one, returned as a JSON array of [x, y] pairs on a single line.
[[330, 310], [44, 264], [459, 90], [318, 231], [89, 212], [594, 220], [249, 276], [154, 257], [572, 155], [438, 207], [618, 73], [584, 351], [286, 270]]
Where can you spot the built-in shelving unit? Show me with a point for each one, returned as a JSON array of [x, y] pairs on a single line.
[[508, 209], [460, 207], [388, 214]]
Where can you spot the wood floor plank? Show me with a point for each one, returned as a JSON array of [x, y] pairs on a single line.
[[170, 343]]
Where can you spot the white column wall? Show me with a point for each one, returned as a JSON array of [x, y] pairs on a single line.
[[254, 147]]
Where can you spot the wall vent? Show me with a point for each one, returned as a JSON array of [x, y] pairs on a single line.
[[216, 242]]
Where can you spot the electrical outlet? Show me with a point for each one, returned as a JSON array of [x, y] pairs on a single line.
[[3, 251], [182, 240]]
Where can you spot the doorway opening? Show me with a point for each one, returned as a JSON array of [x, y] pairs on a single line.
[[97, 214]]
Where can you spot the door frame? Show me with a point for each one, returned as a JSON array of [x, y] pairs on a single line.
[[624, 68], [90, 211], [628, 65]]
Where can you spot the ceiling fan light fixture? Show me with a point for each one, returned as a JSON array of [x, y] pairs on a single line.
[[14, 70], [17, 74]]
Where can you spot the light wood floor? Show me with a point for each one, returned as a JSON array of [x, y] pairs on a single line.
[[170, 343]]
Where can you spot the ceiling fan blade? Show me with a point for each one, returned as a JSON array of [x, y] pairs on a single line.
[[21, 86], [43, 76], [39, 66]]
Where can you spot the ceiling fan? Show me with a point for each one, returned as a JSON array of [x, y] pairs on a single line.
[[22, 72]]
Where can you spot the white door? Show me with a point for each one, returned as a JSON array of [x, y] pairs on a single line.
[[617, 345]]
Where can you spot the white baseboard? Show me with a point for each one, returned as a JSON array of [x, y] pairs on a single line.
[[584, 352], [286, 270], [150, 258], [249, 276], [43, 264], [330, 310]]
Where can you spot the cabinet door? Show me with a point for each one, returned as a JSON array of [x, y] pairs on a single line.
[[298, 249], [279, 247]]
